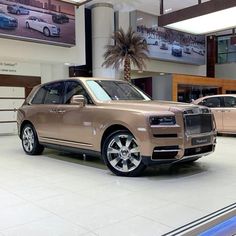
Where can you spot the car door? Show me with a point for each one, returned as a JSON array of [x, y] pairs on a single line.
[[215, 103], [76, 123], [41, 25], [229, 114], [46, 117], [36, 24], [32, 23]]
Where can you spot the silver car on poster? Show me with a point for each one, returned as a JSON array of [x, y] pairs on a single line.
[[42, 26]]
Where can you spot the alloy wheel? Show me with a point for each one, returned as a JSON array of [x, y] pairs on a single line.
[[28, 139], [123, 153]]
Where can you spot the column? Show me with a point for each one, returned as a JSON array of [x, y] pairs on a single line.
[[102, 29]]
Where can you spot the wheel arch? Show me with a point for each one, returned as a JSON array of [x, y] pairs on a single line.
[[25, 122], [111, 129]]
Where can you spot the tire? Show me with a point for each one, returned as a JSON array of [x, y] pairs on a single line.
[[46, 31], [30, 141], [118, 157], [27, 25]]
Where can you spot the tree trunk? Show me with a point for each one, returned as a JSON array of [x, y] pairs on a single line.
[[127, 69]]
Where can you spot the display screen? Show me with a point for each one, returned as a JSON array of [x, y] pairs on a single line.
[[46, 21], [166, 44]]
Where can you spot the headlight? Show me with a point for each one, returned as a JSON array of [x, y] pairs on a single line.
[[162, 120]]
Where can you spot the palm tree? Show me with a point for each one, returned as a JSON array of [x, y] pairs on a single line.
[[129, 48]]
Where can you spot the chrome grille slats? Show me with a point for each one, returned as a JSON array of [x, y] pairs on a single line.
[[198, 121]]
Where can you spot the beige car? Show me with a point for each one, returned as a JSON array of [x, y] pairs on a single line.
[[115, 120], [224, 109]]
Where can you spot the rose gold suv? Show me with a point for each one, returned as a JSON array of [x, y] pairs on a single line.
[[223, 107], [115, 120]]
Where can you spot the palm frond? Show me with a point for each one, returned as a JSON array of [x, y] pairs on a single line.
[[127, 45]]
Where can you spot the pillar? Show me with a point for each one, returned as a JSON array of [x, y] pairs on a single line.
[[102, 29]]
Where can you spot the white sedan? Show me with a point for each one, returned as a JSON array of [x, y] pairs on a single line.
[[42, 26]]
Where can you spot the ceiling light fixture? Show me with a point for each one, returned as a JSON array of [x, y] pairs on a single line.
[[207, 17], [77, 3], [168, 10]]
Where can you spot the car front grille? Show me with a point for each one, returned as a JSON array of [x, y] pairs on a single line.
[[198, 123]]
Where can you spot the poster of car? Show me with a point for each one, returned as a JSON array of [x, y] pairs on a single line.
[[167, 44], [45, 21]]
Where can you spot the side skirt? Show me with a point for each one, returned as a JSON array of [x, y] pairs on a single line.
[[72, 149]]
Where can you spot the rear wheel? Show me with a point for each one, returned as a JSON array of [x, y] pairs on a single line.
[[30, 141], [27, 25], [122, 155]]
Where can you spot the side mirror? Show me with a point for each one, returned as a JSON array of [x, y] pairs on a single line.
[[78, 100]]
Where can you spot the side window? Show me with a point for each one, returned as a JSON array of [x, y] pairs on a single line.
[[230, 101], [75, 88], [39, 97], [54, 93], [212, 102]]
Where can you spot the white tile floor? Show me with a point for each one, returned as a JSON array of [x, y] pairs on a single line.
[[58, 194]]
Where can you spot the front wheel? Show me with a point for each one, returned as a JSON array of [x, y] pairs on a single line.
[[46, 32], [30, 141], [122, 155]]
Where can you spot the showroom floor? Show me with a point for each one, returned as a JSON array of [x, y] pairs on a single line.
[[60, 194]]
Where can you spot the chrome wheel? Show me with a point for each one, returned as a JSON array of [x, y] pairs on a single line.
[[28, 139], [123, 153]]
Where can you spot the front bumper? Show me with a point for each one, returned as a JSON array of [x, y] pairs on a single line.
[[206, 150], [11, 25], [176, 143], [55, 32]]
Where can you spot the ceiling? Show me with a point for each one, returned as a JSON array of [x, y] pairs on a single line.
[[150, 6]]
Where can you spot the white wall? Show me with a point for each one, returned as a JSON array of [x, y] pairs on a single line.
[[123, 19], [170, 67], [226, 71], [48, 59]]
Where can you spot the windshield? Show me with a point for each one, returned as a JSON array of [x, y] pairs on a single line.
[[115, 90]]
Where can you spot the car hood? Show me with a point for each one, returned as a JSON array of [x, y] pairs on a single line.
[[176, 47], [7, 17], [53, 26], [150, 106]]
